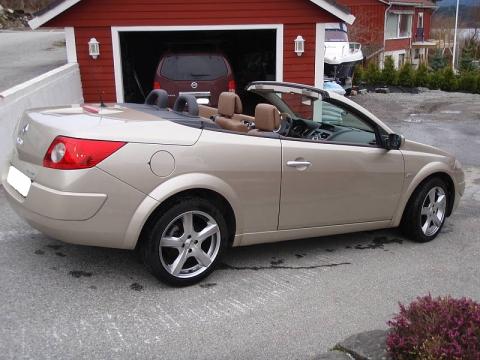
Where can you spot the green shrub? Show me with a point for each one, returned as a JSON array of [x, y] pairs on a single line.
[[372, 74], [421, 76], [468, 82], [406, 75], [449, 81], [438, 61], [435, 79], [389, 73], [359, 75]]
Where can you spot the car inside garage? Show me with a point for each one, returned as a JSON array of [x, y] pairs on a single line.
[[252, 55]]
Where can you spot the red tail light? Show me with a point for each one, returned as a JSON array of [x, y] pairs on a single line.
[[156, 85], [232, 86], [66, 153]]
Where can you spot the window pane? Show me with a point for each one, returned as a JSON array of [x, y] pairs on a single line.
[[405, 25], [194, 67], [335, 35], [392, 26]]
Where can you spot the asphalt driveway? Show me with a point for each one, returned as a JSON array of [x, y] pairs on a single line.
[[27, 54], [289, 300]]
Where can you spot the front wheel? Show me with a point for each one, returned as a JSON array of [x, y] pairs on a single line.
[[426, 211], [186, 242]]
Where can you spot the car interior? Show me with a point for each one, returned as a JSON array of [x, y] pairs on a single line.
[[289, 115]]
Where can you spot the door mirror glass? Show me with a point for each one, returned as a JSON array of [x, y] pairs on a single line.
[[393, 142]]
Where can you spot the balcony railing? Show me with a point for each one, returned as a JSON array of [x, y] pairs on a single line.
[[420, 35]]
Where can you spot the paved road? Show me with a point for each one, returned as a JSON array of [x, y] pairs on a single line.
[[290, 300], [27, 54]]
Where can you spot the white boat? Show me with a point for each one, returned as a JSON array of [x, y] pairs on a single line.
[[341, 55]]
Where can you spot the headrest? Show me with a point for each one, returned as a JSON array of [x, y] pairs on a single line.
[[229, 103], [267, 117]]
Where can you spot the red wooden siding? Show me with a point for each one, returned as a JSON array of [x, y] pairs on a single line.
[[299, 69], [97, 75], [370, 21], [92, 18], [397, 44], [89, 13]]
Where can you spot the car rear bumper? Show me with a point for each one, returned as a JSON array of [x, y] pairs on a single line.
[[84, 218]]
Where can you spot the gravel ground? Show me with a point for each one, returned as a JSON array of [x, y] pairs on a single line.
[[289, 300], [446, 120]]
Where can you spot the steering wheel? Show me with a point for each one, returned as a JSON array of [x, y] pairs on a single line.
[[286, 123]]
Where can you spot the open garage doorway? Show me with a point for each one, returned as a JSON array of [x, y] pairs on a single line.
[[253, 53]]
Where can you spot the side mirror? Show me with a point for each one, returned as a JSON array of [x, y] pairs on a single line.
[[393, 141]]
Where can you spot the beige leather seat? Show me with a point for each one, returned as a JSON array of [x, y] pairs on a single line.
[[229, 105], [267, 120]]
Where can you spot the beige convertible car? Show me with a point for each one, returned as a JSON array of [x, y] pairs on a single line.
[[183, 184]]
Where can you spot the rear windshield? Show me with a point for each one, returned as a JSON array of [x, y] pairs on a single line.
[[194, 67]]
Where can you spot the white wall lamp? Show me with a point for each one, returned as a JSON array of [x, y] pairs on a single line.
[[299, 45], [94, 48]]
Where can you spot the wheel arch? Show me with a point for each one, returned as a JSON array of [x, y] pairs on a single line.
[[418, 181], [190, 185]]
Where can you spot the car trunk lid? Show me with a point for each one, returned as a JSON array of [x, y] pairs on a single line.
[[127, 122]]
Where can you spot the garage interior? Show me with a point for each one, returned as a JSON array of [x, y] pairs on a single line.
[[251, 53]]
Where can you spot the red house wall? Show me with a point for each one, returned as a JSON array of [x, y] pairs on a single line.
[[92, 18], [370, 21]]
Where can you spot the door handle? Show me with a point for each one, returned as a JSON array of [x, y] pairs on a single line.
[[299, 164]]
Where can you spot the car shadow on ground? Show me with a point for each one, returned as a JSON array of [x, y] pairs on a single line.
[[123, 266]]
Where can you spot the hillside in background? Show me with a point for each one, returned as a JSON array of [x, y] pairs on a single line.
[[29, 6], [446, 3]]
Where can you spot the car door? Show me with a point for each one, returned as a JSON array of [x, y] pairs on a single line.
[[346, 180]]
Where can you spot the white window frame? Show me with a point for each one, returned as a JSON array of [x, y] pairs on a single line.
[[399, 14], [117, 56]]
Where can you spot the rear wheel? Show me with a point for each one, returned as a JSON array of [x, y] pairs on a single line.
[[186, 242], [426, 211]]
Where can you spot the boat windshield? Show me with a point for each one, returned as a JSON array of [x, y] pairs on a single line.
[[335, 35]]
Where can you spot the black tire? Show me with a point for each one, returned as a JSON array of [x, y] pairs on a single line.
[[412, 219], [156, 260]]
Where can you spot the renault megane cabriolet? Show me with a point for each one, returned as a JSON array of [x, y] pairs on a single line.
[[183, 184]]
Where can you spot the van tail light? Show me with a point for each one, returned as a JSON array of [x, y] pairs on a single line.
[[156, 85], [232, 86], [66, 153]]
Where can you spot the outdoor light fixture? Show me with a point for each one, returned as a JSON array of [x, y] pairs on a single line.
[[94, 48], [299, 45]]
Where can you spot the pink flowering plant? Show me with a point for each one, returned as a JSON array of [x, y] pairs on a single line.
[[436, 329]]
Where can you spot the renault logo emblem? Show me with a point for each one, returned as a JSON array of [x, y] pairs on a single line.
[[194, 85]]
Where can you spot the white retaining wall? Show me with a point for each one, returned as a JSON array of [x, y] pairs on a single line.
[[61, 86]]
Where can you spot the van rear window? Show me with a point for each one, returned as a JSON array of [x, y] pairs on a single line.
[[194, 67]]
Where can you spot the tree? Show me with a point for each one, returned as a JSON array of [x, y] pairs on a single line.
[[438, 61], [389, 73]]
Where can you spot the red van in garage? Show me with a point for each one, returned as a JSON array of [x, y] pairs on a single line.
[[204, 75]]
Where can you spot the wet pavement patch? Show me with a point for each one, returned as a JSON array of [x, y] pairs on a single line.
[[277, 262], [136, 287], [379, 243], [299, 256], [39, 252], [58, 253], [329, 250], [93, 287], [54, 247], [208, 285], [79, 273], [476, 181], [224, 266]]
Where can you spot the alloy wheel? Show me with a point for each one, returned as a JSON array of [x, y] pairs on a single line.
[[433, 211], [189, 244]]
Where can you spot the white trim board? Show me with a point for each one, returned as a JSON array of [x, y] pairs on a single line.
[[71, 45], [117, 56], [319, 55], [38, 21], [48, 15]]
